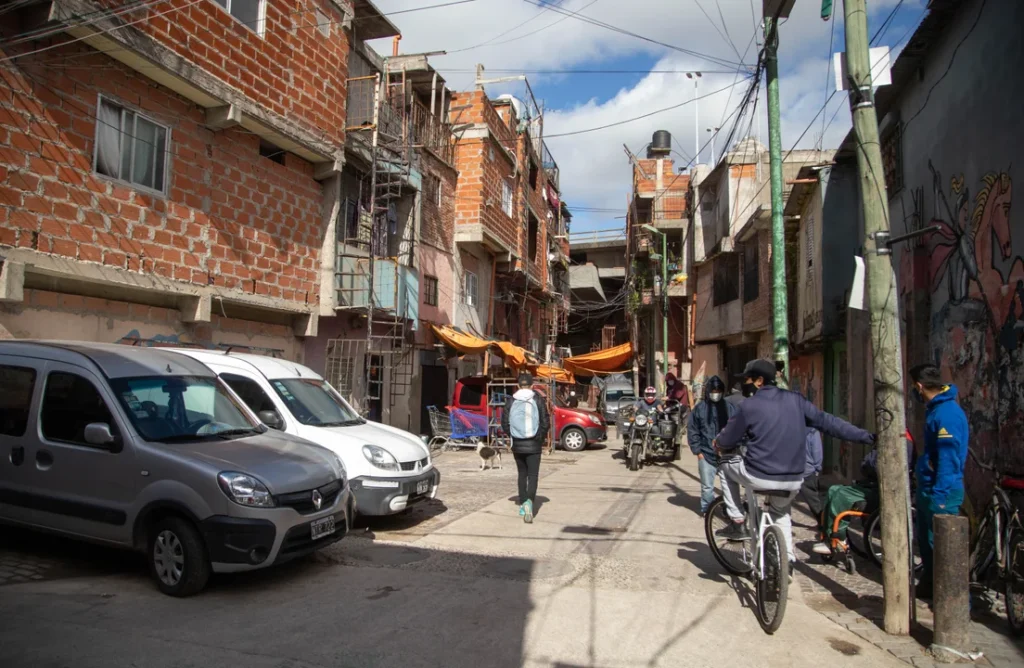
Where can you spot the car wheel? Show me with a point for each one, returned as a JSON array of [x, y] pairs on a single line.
[[177, 557], [573, 439]]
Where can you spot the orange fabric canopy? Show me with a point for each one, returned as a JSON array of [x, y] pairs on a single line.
[[552, 372], [609, 360], [467, 344]]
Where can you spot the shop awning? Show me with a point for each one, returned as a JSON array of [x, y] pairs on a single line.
[[467, 344], [552, 372], [609, 360]]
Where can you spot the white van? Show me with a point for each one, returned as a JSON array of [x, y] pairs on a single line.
[[389, 469]]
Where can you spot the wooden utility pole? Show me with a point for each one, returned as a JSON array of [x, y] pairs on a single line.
[[885, 329]]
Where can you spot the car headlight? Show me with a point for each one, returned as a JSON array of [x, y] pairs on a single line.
[[594, 419], [245, 490], [641, 420], [339, 468], [380, 457]]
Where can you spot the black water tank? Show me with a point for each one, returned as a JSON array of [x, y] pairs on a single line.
[[661, 142]]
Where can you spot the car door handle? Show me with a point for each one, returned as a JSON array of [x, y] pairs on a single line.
[[44, 459], [17, 455]]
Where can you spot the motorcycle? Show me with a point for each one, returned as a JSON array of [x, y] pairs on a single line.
[[653, 434]]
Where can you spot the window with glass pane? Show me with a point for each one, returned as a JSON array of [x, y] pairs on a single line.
[[130, 147], [70, 403], [430, 288], [506, 198], [246, 11], [16, 386]]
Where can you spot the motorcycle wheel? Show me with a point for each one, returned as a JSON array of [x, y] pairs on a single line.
[[634, 457]]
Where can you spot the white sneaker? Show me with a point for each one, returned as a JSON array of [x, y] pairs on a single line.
[[822, 549]]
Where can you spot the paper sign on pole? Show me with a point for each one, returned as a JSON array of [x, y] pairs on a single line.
[[880, 74], [857, 289]]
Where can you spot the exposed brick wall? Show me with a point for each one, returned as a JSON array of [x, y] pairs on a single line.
[[293, 69], [535, 198], [230, 218], [437, 223], [480, 176]]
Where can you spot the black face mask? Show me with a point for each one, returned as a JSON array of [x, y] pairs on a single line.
[[749, 389]]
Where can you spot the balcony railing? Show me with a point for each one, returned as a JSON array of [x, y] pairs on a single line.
[[428, 131], [550, 167]]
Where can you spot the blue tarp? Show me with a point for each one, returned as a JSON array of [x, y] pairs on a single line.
[[466, 424]]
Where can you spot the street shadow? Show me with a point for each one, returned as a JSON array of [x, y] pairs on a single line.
[[699, 554], [538, 502], [683, 499], [677, 467], [30, 556], [401, 521], [356, 603]]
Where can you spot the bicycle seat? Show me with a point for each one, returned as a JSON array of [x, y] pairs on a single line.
[[1012, 482]]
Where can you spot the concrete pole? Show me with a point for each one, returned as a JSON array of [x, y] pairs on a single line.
[[664, 310], [885, 326], [780, 317], [951, 586]]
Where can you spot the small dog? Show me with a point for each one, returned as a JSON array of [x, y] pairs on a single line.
[[488, 455]]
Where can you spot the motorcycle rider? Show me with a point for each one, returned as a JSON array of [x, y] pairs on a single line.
[[707, 418], [773, 425], [650, 401]]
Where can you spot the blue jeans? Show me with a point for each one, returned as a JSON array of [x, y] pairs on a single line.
[[707, 472], [926, 510]]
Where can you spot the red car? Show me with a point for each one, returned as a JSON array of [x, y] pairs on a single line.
[[575, 428]]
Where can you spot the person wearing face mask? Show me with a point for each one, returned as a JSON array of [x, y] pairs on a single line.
[[773, 425], [940, 468], [708, 418]]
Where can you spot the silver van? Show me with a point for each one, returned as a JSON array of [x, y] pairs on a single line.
[[615, 394], [146, 449]]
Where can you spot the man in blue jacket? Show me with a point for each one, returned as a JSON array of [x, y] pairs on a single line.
[[773, 424], [707, 419], [940, 468]]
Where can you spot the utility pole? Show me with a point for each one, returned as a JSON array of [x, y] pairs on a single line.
[[664, 301], [885, 327], [780, 319]]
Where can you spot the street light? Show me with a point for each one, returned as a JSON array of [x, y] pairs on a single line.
[[696, 115], [715, 134], [664, 298]]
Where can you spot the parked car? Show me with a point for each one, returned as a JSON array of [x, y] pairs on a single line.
[[146, 449], [613, 396], [389, 469], [574, 428]]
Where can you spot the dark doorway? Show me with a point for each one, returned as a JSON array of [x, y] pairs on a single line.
[[434, 392], [375, 389], [736, 358]]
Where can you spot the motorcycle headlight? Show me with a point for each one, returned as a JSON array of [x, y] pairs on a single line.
[[245, 490], [641, 420], [595, 420], [380, 457]]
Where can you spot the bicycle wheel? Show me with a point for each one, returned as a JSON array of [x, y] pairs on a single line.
[[1015, 582], [873, 539], [773, 585], [983, 550], [733, 555]]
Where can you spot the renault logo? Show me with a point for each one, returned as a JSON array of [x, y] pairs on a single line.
[[318, 499]]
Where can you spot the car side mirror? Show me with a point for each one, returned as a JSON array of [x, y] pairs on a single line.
[[271, 419], [98, 433]]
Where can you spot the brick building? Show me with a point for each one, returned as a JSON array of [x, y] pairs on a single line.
[[731, 210], [659, 200], [510, 238], [172, 174]]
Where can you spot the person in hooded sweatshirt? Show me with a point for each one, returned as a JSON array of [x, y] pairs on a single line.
[[525, 419], [708, 418]]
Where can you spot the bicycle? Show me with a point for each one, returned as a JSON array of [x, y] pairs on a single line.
[[766, 560], [1000, 542]]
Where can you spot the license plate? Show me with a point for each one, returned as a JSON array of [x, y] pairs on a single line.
[[423, 486], [322, 527]]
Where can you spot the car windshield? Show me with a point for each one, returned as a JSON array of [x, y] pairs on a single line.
[[616, 395], [315, 403], [182, 409]]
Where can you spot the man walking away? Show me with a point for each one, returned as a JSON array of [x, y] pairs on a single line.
[[525, 419], [773, 423], [707, 418], [809, 490], [940, 468]]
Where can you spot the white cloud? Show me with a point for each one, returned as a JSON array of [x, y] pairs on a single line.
[[594, 169]]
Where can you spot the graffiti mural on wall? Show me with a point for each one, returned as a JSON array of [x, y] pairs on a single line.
[[806, 375], [976, 282]]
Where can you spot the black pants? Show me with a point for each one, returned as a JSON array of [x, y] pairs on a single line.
[[812, 495], [529, 468]]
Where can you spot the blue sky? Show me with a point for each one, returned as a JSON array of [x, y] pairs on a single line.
[[705, 35]]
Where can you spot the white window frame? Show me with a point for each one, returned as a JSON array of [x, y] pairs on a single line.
[[261, 21], [507, 198], [471, 293], [96, 142]]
